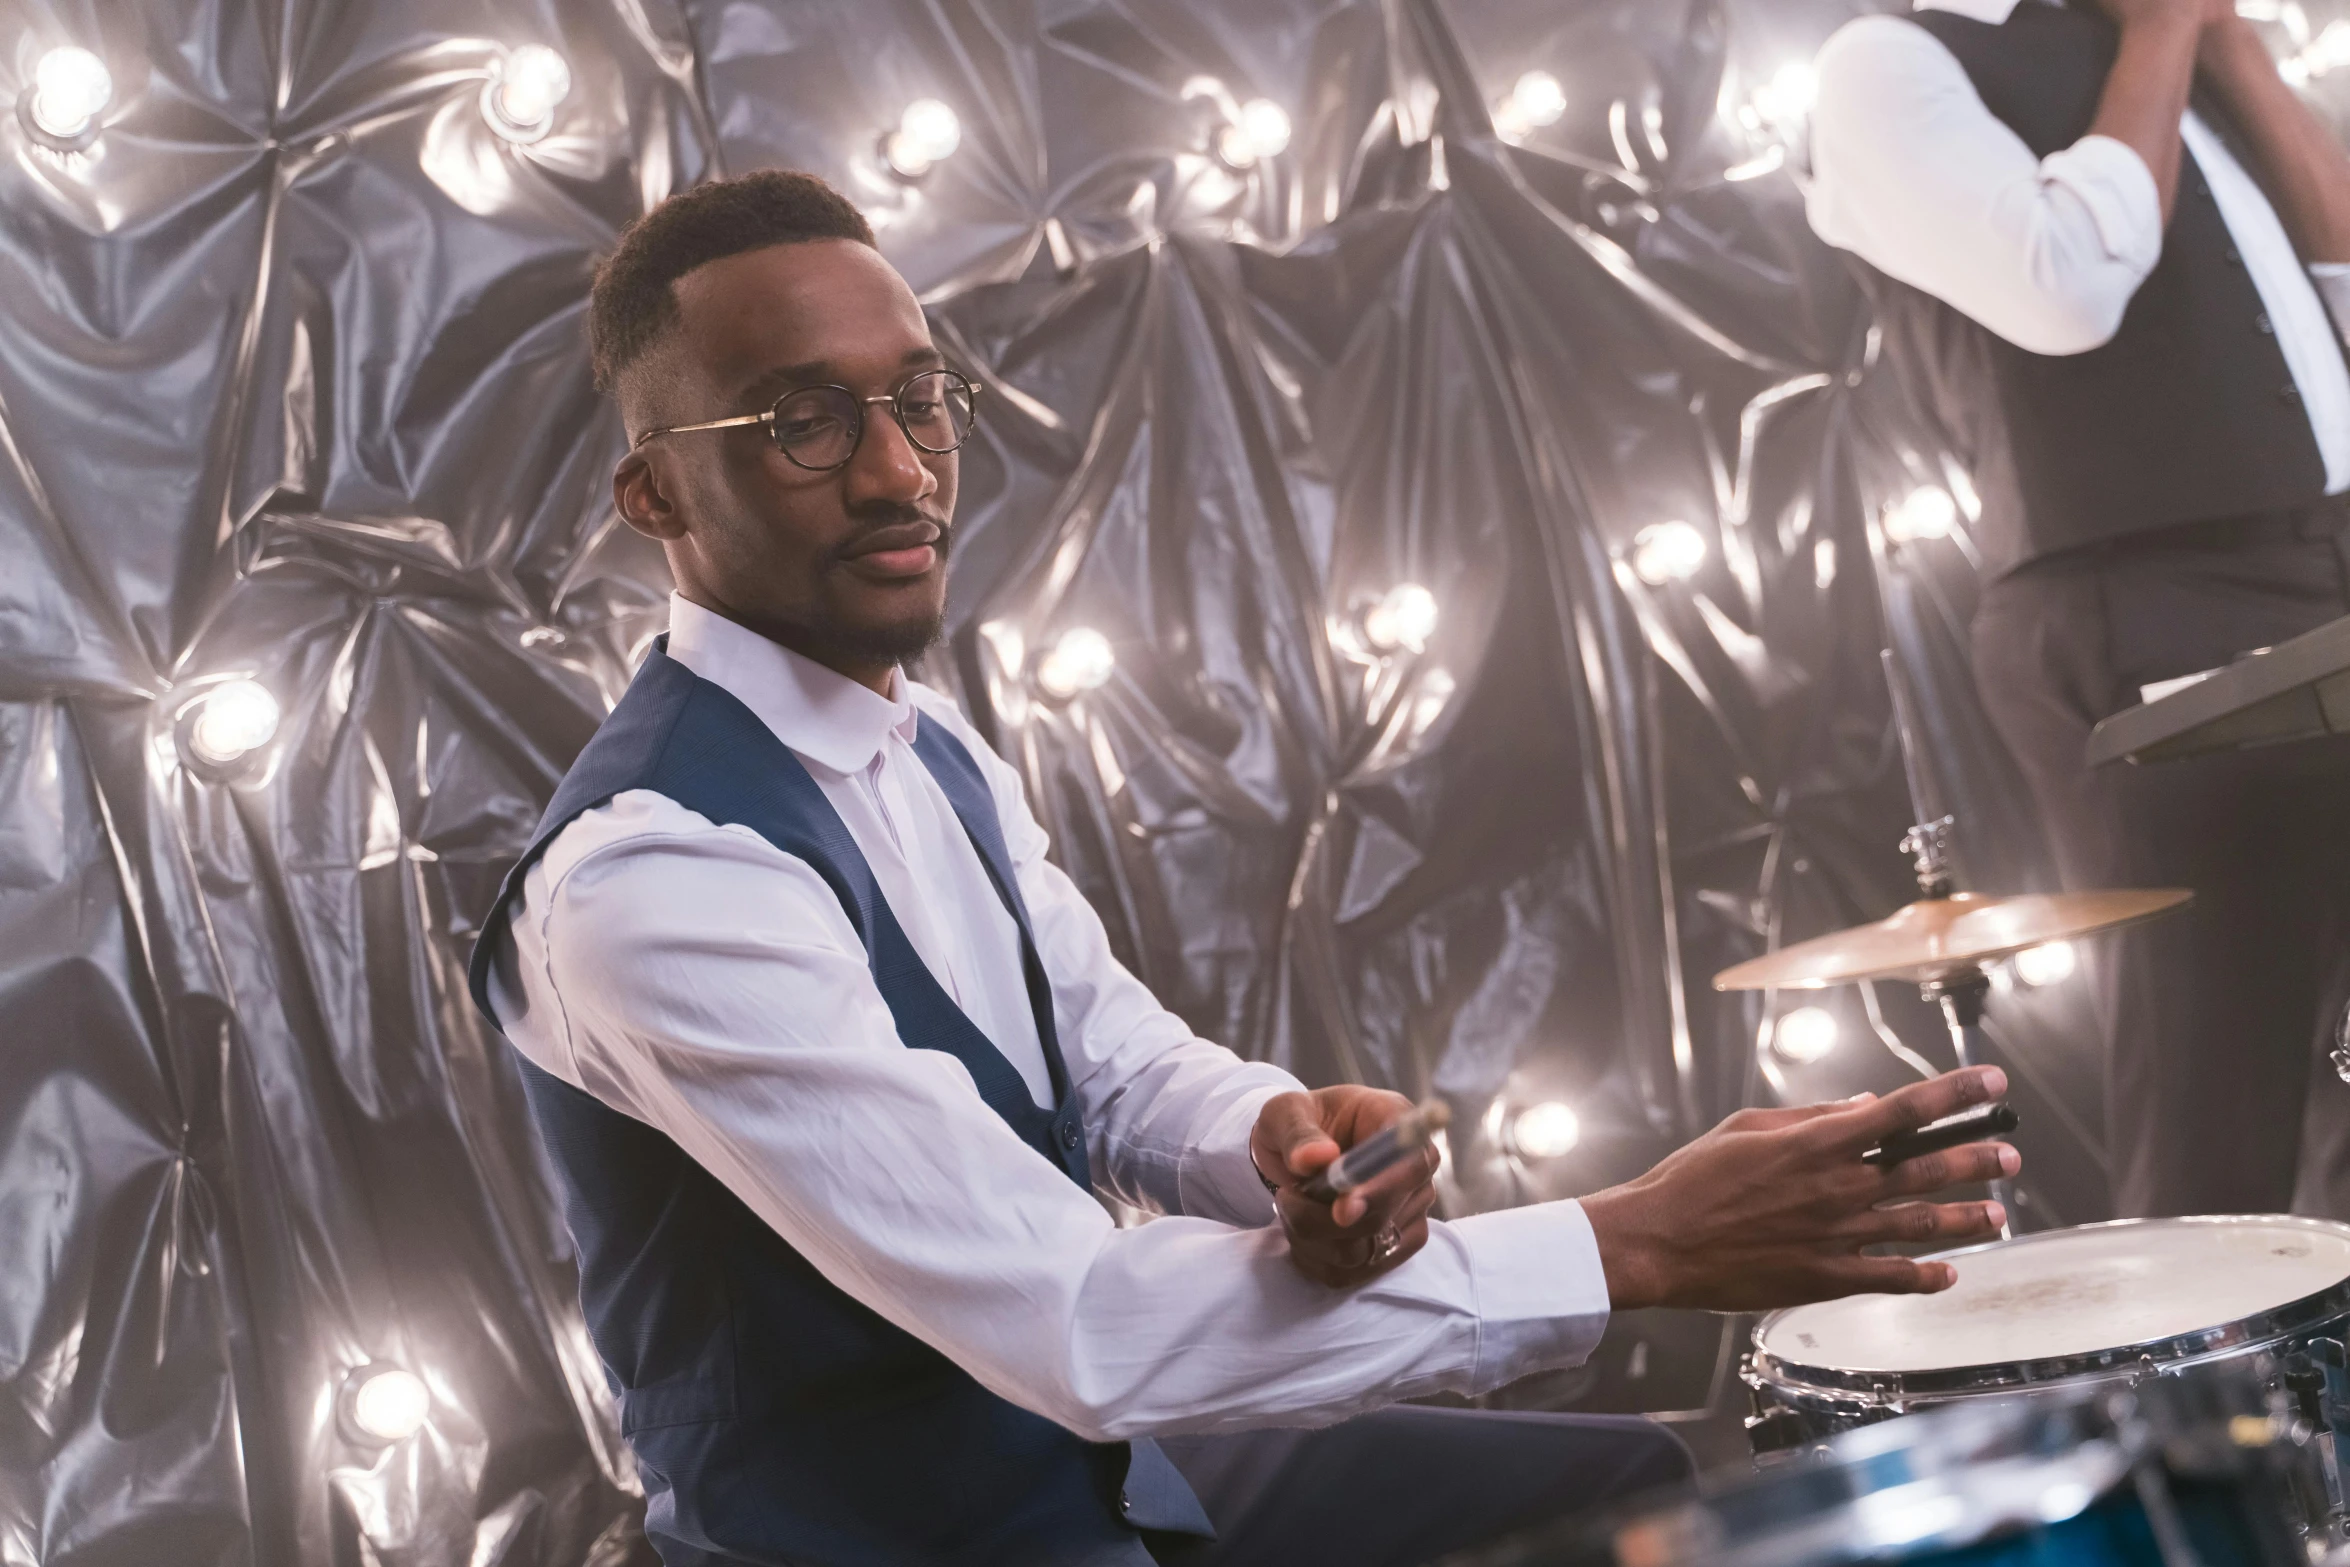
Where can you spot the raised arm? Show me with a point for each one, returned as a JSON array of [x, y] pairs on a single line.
[[1914, 174], [2306, 172]]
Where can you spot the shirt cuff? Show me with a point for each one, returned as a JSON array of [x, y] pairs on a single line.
[[1217, 1179], [2113, 182], [1542, 1297]]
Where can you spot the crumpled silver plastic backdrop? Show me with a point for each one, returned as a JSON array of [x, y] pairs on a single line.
[[293, 388]]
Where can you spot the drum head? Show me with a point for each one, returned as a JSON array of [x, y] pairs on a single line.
[[2068, 1302]]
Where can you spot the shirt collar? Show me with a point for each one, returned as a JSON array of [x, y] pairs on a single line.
[[1992, 11], [823, 715]]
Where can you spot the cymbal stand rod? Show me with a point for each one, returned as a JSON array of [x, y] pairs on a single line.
[[1928, 841], [1962, 996]]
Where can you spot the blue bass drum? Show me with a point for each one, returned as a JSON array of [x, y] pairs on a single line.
[[2202, 1470]]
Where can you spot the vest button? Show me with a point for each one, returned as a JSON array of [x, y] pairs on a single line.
[[2288, 394], [1069, 1135], [1125, 1502], [2235, 257], [2266, 327]]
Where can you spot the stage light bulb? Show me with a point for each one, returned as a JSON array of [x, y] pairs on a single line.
[[928, 133], [2330, 49], [1266, 125], [1537, 100], [1404, 617], [1081, 660], [1545, 1131], [71, 88], [1786, 99], [2050, 963], [1667, 552], [238, 718], [388, 1403], [524, 91], [1261, 132], [1806, 1035], [1926, 512]]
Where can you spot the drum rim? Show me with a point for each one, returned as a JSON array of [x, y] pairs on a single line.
[[2257, 1331]]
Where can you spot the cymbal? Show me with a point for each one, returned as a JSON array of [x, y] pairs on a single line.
[[1942, 937]]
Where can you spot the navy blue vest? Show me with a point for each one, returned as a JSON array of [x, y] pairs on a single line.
[[774, 1418]]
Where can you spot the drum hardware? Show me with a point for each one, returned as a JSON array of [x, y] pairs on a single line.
[[2243, 1319], [1945, 942], [2188, 1471]]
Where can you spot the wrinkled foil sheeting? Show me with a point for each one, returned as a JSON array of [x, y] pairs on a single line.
[[295, 388]]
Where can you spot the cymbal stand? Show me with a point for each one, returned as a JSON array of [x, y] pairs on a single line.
[[1961, 995]]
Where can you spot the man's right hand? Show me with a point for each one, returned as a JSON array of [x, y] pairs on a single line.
[[1773, 1207]]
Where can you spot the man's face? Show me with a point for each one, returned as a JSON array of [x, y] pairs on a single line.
[[846, 566]]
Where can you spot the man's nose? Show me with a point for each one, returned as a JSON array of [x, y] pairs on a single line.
[[886, 466]]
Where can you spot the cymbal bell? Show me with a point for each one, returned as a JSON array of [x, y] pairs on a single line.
[[1943, 937]]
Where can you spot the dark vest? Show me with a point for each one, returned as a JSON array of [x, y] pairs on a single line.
[[2189, 413], [774, 1418]]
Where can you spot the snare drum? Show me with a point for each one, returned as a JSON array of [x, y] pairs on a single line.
[[2102, 1305]]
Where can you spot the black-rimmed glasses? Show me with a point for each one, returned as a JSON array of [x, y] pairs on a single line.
[[818, 427]]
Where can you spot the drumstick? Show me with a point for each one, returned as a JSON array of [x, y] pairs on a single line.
[[1380, 1151], [1968, 1126]]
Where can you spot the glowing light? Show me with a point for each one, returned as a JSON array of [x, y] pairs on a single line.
[[388, 1404], [238, 718], [1545, 1131], [2327, 52], [1404, 617], [2050, 963], [1537, 100], [1667, 552], [524, 90], [1261, 131], [1806, 1035], [71, 88], [1081, 661], [1784, 102], [1927, 512], [927, 135]]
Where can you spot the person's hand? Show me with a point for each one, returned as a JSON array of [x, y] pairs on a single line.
[[1772, 1207], [1367, 1231]]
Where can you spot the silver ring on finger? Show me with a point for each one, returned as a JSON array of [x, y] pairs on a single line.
[[1385, 1244]]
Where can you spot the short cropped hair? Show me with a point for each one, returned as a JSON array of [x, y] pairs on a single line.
[[632, 303]]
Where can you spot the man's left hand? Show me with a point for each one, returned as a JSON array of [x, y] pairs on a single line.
[[1367, 1231]]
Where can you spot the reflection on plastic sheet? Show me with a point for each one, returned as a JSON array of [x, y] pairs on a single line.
[[1428, 558]]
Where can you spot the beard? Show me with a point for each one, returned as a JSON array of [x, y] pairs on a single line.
[[895, 642]]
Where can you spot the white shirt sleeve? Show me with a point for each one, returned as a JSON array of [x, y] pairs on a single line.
[[699, 979], [1910, 171], [2332, 280], [1167, 1114]]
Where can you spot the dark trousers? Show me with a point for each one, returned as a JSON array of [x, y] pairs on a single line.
[[2219, 1094], [1408, 1484]]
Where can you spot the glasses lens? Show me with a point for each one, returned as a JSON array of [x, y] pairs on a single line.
[[937, 410], [817, 427]]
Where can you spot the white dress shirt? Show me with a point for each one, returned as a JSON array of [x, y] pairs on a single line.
[[699, 979], [1911, 172]]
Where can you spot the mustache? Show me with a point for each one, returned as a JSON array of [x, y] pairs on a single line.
[[877, 518]]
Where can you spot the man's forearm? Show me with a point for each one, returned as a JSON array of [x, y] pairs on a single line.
[[2307, 173], [2146, 93]]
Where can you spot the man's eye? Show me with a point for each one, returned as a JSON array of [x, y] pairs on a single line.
[[922, 410], [805, 429]]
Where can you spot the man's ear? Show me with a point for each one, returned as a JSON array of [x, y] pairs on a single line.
[[645, 504]]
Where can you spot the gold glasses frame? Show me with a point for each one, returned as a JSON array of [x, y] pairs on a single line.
[[894, 400]]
